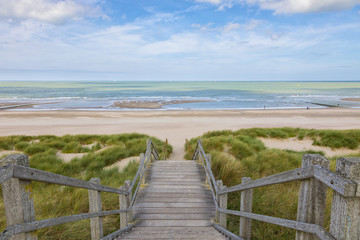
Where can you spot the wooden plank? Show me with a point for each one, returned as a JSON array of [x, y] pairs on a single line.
[[42, 176], [175, 200], [190, 216], [169, 190], [175, 205], [172, 180], [171, 223], [195, 230], [209, 235], [175, 194], [172, 210], [185, 187], [174, 183], [293, 175]]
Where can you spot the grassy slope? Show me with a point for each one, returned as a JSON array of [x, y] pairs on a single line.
[[239, 154], [55, 201]]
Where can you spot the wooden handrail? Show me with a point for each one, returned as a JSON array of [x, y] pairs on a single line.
[[32, 174], [17, 167], [345, 183]]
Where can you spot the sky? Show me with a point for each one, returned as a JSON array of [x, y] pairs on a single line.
[[171, 40]]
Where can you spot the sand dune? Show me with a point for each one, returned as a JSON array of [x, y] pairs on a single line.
[[174, 125]]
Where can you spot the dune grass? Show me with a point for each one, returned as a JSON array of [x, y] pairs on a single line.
[[54, 201], [237, 154]]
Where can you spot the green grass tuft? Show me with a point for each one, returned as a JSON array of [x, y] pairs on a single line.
[[55, 201], [240, 154]]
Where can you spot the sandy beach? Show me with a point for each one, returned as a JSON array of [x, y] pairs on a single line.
[[174, 125]]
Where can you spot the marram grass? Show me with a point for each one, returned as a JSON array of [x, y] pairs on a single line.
[[55, 201], [237, 154]]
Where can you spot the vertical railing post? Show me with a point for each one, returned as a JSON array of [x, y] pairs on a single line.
[[208, 156], [312, 197], [222, 201], [245, 206], [95, 206], [128, 201], [142, 156], [345, 212], [18, 198], [123, 205]]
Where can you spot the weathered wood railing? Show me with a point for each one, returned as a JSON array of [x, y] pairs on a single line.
[[315, 178], [16, 177]]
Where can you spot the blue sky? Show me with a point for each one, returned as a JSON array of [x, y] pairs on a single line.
[[171, 40]]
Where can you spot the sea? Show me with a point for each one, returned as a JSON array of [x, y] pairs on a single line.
[[211, 95]]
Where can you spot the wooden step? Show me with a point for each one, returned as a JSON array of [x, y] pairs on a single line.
[[182, 216], [173, 223], [174, 203], [173, 210]]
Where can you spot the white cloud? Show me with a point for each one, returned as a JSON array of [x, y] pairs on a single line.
[[211, 1], [48, 11], [231, 26], [290, 6], [305, 6]]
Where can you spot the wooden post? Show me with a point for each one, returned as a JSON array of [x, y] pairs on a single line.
[[222, 200], [95, 206], [165, 145], [312, 197], [128, 201], [124, 202], [148, 141], [209, 158], [246, 206], [142, 155], [18, 198], [345, 212]]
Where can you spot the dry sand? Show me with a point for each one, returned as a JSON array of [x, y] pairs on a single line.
[[305, 144], [174, 125]]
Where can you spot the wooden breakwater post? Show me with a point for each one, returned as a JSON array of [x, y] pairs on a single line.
[[18, 198]]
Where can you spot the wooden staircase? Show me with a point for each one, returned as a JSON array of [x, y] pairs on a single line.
[[174, 204]]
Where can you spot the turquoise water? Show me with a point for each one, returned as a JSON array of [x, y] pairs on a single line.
[[221, 95]]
